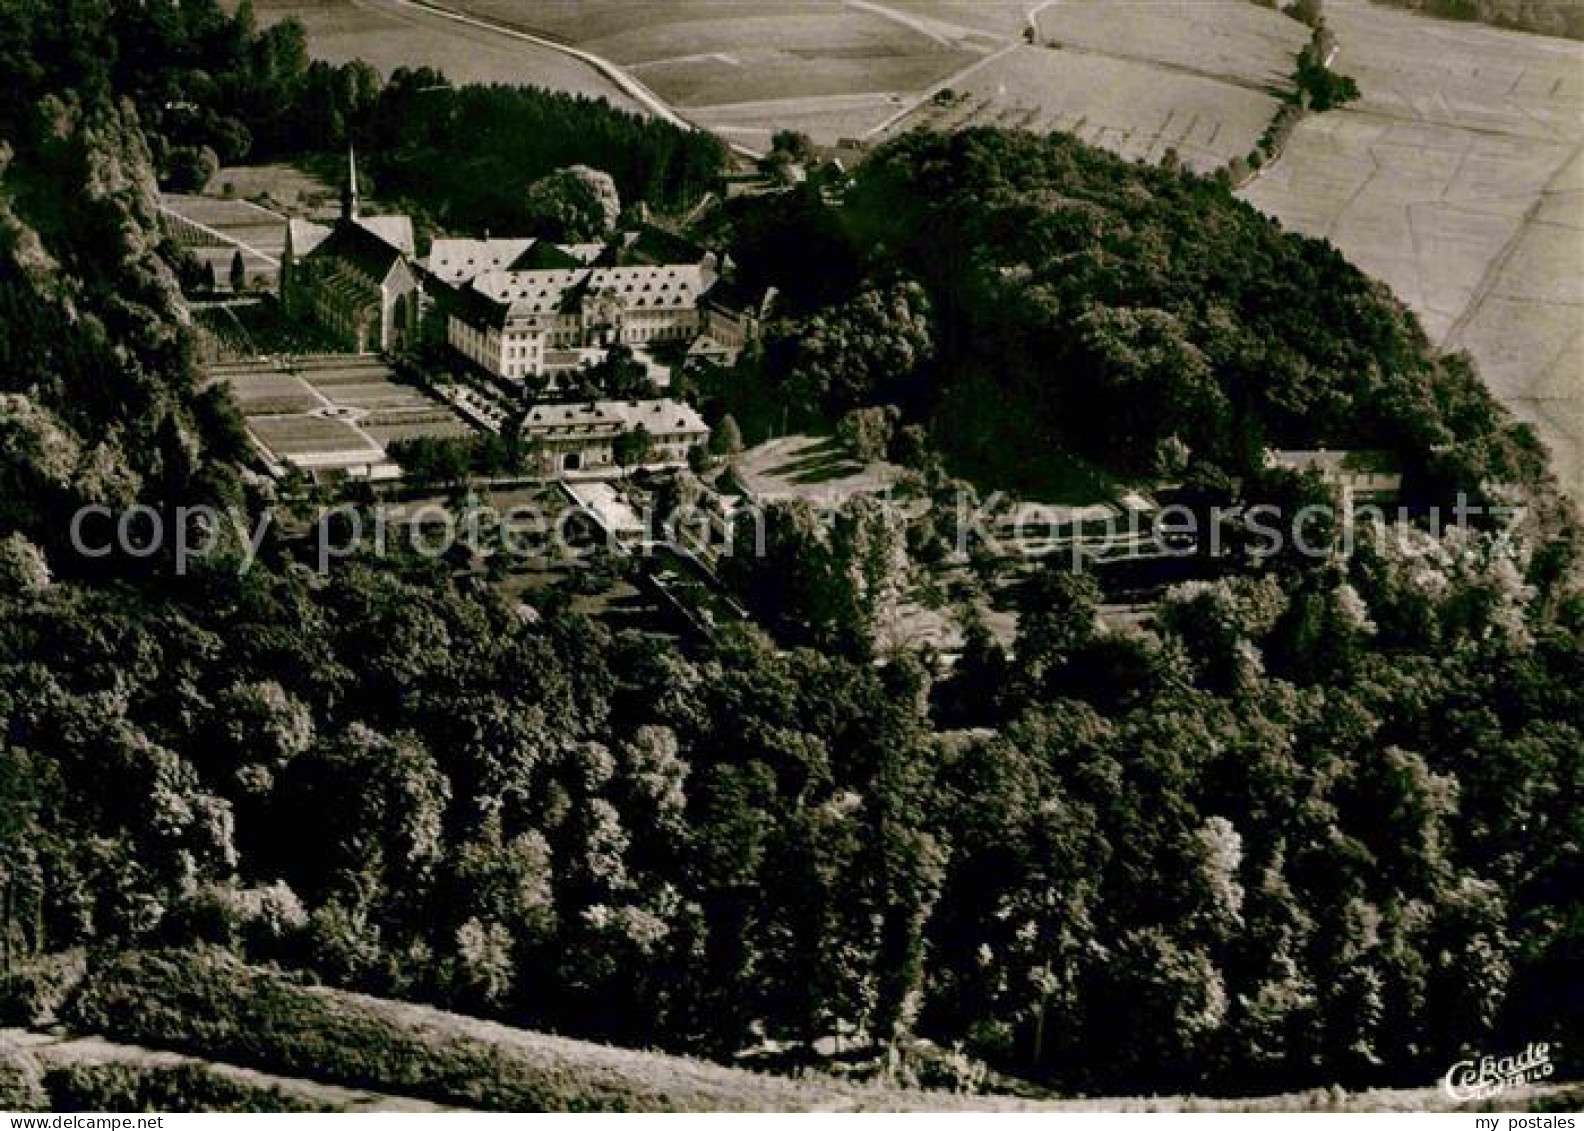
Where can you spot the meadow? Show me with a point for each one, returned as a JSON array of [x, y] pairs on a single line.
[[211, 1006]]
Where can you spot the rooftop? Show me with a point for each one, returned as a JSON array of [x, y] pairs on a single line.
[[657, 416]]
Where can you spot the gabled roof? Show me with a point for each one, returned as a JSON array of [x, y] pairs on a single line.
[[733, 296], [461, 260], [664, 417], [706, 347], [548, 291], [648, 244], [302, 236], [364, 248], [654, 287], [394, 230], [521, 293], [589, 416], [457, 261]]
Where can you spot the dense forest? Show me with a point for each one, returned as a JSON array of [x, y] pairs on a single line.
[[214, 89], [1023, 295], [1317, 825]]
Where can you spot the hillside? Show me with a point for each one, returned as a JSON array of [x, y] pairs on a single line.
[[317, 1043], [1458, 180], [1314, 826]]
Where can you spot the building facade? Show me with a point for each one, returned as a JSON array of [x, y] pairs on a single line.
[[522, 310], [584, 437], [357, 280]]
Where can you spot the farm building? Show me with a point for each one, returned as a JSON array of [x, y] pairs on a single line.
[[582, 437], [358, 279]]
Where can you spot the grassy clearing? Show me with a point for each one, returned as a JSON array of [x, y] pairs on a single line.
[[180, 1087], [815, 468], [211, 1005]]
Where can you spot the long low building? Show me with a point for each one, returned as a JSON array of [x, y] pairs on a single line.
[[584, 437]]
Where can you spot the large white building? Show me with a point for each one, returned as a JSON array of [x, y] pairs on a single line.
[[522, 309]]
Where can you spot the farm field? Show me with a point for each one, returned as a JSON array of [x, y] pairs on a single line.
[[1133, 109], [390, 34], [1458, 179], [1198, 76], [830, 68], [332, 412], [1230, 40]]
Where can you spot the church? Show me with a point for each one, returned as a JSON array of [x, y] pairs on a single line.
[[357, 280]]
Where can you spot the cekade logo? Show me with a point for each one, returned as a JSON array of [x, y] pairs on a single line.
[[1491, 1076]]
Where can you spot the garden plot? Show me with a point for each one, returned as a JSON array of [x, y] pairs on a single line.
[[333, 412]]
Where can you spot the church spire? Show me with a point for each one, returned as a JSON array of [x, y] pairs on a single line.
[[350, 199]]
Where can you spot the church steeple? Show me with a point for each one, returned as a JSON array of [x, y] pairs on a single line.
[[350, 199]]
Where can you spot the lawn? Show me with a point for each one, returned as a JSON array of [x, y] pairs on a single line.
[[815, 468]]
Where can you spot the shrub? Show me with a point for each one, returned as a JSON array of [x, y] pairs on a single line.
[[208, 1003], [20, 1086], [163, 1087], [35, 988]]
